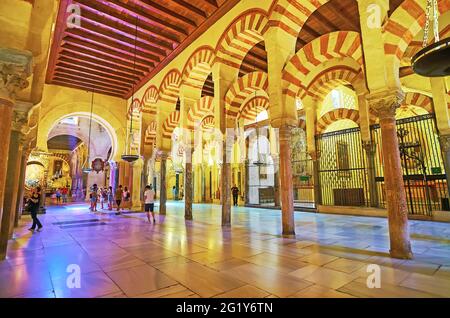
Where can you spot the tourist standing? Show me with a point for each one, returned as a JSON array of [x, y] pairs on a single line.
[[64, 192], [58, 196], [126, 198], [110, 198], [235, 192], [103, 197], [149, 202], [118, 197], [33, 205], [174, 193], [94, 198]]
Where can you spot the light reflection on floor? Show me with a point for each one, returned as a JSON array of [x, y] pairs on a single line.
[[124, 256]]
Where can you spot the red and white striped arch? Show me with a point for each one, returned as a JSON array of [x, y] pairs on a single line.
[[243, 88], [135, 108], [405, 23], [335, 115], [419, 100], [170, 124], [203, 107], [150, 99], [242, 34], [207, 123], [291, 15], [198, 67], [150, 133], [253, 107], [329, 46], [329, 79], [169, 89]]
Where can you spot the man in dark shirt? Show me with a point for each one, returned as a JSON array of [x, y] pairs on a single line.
[[33, 203], [235, 193]]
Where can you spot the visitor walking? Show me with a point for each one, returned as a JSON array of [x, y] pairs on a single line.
[[110, 198], [126, 198], [118, 197], [174, 193], [103, 197], [149, 202], [94, 198], [64, 193], [58, 196], [33, 206], [235, 192]]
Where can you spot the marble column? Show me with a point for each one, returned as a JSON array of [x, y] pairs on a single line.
[[385, 104], [225, 186], [42, 209], [163, 186], [15, 67], [316, 179], [276, 178], [370, 149], [11, 183], [287, 192], [21, 186], [444, 141], [188, 186], [136, 191]]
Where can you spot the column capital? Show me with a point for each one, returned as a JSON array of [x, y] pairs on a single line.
[[386, 102], [369, 146], [20, 121], [444, 140], [15, 68]]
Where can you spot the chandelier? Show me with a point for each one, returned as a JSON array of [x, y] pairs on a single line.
[[129, 157], [432, 60]]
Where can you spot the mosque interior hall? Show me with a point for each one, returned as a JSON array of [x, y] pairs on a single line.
[[225, 148]]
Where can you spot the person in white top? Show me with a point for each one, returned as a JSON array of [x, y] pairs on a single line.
[[149, 202]]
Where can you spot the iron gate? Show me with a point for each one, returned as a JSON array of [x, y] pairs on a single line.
[[342, 168], [422, 164]]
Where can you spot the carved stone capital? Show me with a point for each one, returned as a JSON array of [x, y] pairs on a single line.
[[444, 140], [20, 121], [15, 68], [386, 102], [369, 147]]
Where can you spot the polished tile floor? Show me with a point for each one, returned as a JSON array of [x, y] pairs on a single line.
[[124, 256]]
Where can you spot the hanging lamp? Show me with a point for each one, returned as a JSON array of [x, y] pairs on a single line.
[[433, 60], [130, 157], [86, 167]]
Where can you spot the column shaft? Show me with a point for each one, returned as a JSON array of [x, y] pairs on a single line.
[[287, 192], [163, 187], [225, 191], [395, 191], [188, 197], [11, 183], [21, 188]]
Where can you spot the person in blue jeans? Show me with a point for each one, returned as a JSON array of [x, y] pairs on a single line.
[[33, 204]]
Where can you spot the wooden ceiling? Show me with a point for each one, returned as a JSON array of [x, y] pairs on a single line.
[[99, 54], [335, 15]]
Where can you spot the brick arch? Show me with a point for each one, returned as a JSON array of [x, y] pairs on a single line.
[[242, 34], [291, 15], [149, 100], [170, 124], [198, 67], [405, 23], [335, 115], [329, 46], [241, 89], [419, 100], [328, 79], [170, 86], [253, 107], [203, 107]]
